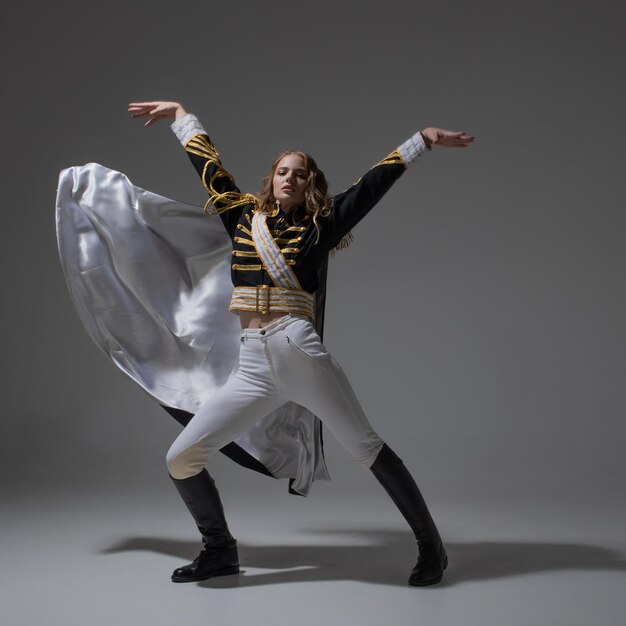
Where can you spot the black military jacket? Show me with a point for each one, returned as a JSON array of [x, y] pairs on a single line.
[[295, 233]]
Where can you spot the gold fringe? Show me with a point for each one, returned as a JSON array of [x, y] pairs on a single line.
[[346, 240]]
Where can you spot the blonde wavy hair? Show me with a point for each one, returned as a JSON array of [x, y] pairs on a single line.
[[317, 202]]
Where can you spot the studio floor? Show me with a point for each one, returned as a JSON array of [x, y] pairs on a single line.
[[340, 557]]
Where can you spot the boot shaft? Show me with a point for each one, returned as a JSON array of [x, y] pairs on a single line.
[[202, 499]]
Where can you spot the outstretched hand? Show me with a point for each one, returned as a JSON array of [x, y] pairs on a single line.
[[156, 110], [446, 138]]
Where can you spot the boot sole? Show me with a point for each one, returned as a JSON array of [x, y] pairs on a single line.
[[426, 583], [226, 571]]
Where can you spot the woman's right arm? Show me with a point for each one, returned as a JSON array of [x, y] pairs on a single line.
[[224, 195]]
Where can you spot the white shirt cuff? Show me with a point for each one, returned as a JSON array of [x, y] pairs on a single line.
[[186, 127], [412, 148]]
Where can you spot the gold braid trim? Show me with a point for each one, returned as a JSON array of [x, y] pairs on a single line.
[[287, 239], [244, 229], [248, 242], [393, 158], [217, 202]]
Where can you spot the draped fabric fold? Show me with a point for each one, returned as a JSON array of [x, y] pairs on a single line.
[[150, 280]]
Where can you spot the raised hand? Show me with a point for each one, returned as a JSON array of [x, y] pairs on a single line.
[[156, 111], [446, 138]]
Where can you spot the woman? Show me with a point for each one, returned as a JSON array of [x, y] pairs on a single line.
[[280, 241]]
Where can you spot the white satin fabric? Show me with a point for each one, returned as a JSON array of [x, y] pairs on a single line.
[[150, 279]]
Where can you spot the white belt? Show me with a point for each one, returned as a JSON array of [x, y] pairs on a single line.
[[264, 299]]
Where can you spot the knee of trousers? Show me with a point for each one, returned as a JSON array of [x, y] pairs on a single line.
[[367, 457], [186, 462]]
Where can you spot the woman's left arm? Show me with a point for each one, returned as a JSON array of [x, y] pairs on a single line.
[[352, 205]]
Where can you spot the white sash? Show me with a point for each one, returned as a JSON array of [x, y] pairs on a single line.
[[271, 255]]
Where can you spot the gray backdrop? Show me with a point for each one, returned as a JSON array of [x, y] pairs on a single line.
[[479, 313]]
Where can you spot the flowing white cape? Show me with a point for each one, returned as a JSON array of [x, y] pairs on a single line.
[[150, 279]]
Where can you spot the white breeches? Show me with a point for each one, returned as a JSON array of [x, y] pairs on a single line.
[[282, 362]]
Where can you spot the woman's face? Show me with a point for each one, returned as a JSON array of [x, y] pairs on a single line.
[[289, 182]]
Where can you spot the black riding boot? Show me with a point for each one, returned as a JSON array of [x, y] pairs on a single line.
[[399, 484], [219, 557]]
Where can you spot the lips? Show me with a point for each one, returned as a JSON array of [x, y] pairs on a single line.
[[287, 188]]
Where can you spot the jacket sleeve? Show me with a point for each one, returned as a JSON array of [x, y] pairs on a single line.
[[225, 199], [353, 204]]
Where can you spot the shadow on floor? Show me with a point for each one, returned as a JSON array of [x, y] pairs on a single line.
[[386, 557]]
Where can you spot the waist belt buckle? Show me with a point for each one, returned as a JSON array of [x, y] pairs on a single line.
[[263, 299]]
